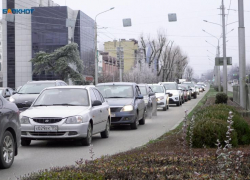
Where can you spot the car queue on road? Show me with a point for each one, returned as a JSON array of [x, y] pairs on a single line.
[[52, 110]]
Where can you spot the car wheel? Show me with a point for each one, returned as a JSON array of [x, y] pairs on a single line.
[[195, 95], [142, 121], [7, 150], [134, 125], [178, 103], [87, 141], [25, 142], [105, 134]]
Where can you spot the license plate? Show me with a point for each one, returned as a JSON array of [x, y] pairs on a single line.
[[112, 115], [46, 128]]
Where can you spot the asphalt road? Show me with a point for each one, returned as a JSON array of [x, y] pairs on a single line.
[[45, 154]]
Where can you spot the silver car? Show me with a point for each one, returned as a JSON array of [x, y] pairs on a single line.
[[66, 112]]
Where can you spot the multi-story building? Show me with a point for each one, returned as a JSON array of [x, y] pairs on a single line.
[[128, 52], [1, 57], [43, 30]]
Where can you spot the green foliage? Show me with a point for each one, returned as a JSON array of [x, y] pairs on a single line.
[[64, 62], [221, 98], [211, 124], [216, 88]]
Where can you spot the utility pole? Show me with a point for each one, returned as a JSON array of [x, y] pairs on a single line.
[[96, 60], [218, 67], [242, 55], [224, 49], [120, 60]]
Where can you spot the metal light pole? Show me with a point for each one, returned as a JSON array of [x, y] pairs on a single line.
[[242, 55], [96, 60], [224, 49]]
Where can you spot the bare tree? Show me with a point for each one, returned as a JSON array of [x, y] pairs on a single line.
[[189, 73]]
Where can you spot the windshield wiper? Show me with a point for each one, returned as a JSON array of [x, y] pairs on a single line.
[[43, 105], [117, 97], [65, 104]]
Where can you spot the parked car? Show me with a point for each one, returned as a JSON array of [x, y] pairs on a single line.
[[6, 92], [126, 103], [194, 90], [184, 92], [188, 89], [201, 88], [68, 112], [161, 96], [10, 132], [149, 99], [30, 91], [172, 87]]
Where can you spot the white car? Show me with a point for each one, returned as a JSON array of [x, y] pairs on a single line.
[[66, 112], [172, 87], [161, 96]]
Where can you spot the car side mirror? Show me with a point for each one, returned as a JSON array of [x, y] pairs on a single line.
[[151, 94], [139, 97], [96, 103]]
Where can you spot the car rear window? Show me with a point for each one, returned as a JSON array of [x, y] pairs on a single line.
[[116, 91], [34, 88]]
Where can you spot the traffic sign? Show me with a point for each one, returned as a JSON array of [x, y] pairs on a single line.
[[219, 61]]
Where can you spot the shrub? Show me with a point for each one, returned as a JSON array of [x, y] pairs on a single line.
[[211, 124], [221, 98], [216, 88]]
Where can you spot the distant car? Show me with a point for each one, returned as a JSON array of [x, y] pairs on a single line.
[[184, 91], [161, 96], [201, 87], [172, 87], [68, 112], [30, 91], [10, 132], [149, 99], [182, 94], [194, 90], [6, 92], [188, 89], [126, 103]]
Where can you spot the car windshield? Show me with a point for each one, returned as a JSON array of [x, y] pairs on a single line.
[[158, 89], [116, 91], [190, 84], [182, 87], [34, 88], [170, 86], [143, 90], [63, 97]]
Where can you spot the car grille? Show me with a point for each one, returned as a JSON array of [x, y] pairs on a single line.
[[47, 133], [116, 109], [47, 120], [115, 119]]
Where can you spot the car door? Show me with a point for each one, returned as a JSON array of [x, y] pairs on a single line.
[[140, 102], [103, 110], [95, 110]]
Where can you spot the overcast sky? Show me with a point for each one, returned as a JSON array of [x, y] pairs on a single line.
[[150, 15]]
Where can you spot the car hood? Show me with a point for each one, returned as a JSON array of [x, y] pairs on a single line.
[[119, 101], [159, 94], [54, 111], [25, 97], [173, 91]]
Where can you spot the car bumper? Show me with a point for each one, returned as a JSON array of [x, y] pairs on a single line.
[[123, 117], [174, 100], [65, 131]]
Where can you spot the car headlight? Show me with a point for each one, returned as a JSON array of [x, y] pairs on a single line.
[[24, 120], [11, 99], [74, 120], [160, 98], [127, 108]]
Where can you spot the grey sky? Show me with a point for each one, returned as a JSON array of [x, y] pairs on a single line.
[[150, 15]]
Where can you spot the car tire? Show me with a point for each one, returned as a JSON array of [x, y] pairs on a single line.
[[165, 108], [25, 142], [134, 125], [178, 103], [7, 137], [87, 141], [105, 134], [195, 95], [143, 120]]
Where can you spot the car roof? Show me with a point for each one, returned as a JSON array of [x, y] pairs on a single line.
[[116, 83], [71, 87], [45, 81]]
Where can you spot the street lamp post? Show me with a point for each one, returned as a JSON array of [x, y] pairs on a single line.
[[96, 60]]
